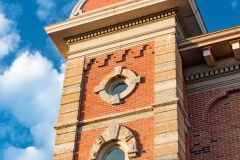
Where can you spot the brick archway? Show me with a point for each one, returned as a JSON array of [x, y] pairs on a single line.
[[221, 97], [224, 133]]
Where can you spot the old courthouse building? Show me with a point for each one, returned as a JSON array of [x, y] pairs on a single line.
[[145, 81]]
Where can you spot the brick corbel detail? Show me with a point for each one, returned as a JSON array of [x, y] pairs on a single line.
[[87, 62], [100, 61], [118, 56], [137, 52]]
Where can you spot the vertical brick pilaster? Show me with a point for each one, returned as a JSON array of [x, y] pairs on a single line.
[[69, 110], [169, 103]]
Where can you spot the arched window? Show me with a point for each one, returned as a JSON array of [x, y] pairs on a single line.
[[115, 143], [115, 154], [114, 151]]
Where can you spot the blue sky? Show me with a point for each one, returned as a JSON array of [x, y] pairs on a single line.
[[31, 71]]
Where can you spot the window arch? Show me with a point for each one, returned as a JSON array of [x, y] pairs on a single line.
[[116, 154], [118, 147], [114, 137]]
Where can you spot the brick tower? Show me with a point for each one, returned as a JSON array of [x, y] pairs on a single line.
[[124, 87]]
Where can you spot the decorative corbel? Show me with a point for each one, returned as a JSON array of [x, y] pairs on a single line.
[[236, 48], [208, 55]]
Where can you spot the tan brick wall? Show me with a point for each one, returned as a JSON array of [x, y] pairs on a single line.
[[69, 110], [169, 89]]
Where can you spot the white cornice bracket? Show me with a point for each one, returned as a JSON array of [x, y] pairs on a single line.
[[208, 56], [236, 48]]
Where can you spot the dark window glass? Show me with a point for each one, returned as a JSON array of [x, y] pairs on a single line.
[[119, 88], [115, 154]]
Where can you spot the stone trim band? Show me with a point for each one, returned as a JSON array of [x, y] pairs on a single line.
[[119, 26], [212, 73]]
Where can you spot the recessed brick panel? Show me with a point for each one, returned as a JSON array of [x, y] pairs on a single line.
[[216, 137], [93, 106], [142, 130]]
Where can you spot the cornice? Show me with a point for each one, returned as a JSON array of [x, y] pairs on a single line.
[[112, 15], [210, 73], [101, 13], [216, 85], [208, 39], [198, 16], [120, 26], [122, 43]]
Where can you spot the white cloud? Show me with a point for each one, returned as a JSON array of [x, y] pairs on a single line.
[[53, 10], [32, 91], [9, 8], [30, 153], [9, 37], [234, 4], [45, 9]]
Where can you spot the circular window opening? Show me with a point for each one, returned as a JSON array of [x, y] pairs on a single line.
[[119, 88], [117, 85], [115, 154]]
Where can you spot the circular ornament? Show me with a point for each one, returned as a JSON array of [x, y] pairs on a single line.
[[117, 85]]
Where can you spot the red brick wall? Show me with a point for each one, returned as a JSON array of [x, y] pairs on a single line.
[[214, 117], [94, 4], [142, 130], [139, 59]]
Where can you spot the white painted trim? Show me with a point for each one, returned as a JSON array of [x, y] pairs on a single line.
[[198, 16], [121, 43], [78, 8], [210, 38], [101, 13]]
